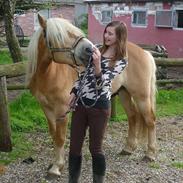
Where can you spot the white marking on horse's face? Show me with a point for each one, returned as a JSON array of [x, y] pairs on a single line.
[[83, 51]]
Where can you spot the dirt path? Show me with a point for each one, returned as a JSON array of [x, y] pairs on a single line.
[[127, 169]]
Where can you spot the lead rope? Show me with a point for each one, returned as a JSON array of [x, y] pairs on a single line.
[[79, 93]]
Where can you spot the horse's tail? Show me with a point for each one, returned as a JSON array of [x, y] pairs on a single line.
[[153, 85]]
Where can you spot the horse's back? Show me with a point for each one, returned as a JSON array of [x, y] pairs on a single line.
[[137, 55], [139, 71]]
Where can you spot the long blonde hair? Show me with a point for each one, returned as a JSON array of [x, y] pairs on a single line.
[[121, 41]]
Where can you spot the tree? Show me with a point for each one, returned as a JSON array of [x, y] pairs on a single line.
[[7, 8]]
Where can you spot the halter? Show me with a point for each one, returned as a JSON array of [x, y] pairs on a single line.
[[70, 50]]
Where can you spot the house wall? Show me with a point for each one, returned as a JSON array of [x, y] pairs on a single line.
[[170, 38], [27, 21]]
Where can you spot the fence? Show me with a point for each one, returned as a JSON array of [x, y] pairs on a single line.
[[18, 69]]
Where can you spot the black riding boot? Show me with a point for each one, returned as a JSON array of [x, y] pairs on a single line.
[[74, 168], [99, 167]]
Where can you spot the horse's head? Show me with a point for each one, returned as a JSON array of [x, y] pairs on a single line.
[[65, 42]]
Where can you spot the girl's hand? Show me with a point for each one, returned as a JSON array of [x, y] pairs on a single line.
[[97, 61], [71, 99]]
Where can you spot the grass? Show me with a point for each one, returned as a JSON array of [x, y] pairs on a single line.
[[178, 165], [5, 57], [169, 103], [22, 147], [154, 165], [26, 114]]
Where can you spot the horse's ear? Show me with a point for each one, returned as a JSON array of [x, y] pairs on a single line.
[[42, 21]]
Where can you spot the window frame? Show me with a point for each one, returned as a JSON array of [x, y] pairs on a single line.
[[146, 15], [171, 19], [173, 24], [111, 14]]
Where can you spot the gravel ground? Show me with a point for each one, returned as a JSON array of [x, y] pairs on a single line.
[[120, 169]]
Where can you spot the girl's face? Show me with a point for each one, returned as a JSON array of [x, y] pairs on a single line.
[[110, 36]]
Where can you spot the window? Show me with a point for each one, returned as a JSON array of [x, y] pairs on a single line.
[[163, 18], [139, 17], [169, 18], [106, 16], [178, 18]]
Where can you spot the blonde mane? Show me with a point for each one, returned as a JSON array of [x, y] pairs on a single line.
[[57, 33]]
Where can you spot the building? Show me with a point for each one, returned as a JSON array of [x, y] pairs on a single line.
[[70, 9], [148, 21]]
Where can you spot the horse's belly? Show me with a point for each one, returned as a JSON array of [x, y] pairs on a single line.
[[117, 82]]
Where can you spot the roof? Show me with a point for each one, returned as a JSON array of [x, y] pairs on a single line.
[[124, 1]]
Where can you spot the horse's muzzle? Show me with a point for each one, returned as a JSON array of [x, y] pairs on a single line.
[[89, 51]]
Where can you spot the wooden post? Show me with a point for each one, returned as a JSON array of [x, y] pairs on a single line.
[[113, 107], [5, 132]]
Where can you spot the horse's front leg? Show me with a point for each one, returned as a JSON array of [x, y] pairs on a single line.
[[59, 140]]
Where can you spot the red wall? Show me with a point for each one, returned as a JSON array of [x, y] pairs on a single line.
[[26, 21], [170, 38]]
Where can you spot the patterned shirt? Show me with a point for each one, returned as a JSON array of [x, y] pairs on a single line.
[[101, 84]]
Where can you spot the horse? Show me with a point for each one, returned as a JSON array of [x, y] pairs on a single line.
[[55, 51]]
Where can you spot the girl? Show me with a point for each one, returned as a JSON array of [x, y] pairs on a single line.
[[107, 64]]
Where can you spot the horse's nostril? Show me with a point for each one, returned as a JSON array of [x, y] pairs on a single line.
[[89, 50]]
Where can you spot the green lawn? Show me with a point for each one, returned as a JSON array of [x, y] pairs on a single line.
[[169, 103], [5, 57]]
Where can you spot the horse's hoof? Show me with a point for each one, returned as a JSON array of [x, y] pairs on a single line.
[[148, 159], [49, 167], [61, 168], [125, 153], [51, 176], [54, 171]]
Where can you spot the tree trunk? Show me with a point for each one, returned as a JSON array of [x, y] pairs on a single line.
[[12, 41], [5, 132]]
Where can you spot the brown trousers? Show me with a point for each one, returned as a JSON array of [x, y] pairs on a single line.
[[93, 118]]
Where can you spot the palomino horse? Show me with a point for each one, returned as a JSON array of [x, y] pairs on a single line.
[[58, 41]]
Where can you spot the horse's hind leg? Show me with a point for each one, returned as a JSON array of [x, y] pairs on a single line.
[[131, 112], [145, 109]]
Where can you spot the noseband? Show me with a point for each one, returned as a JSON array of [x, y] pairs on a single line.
[[70, 50]]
